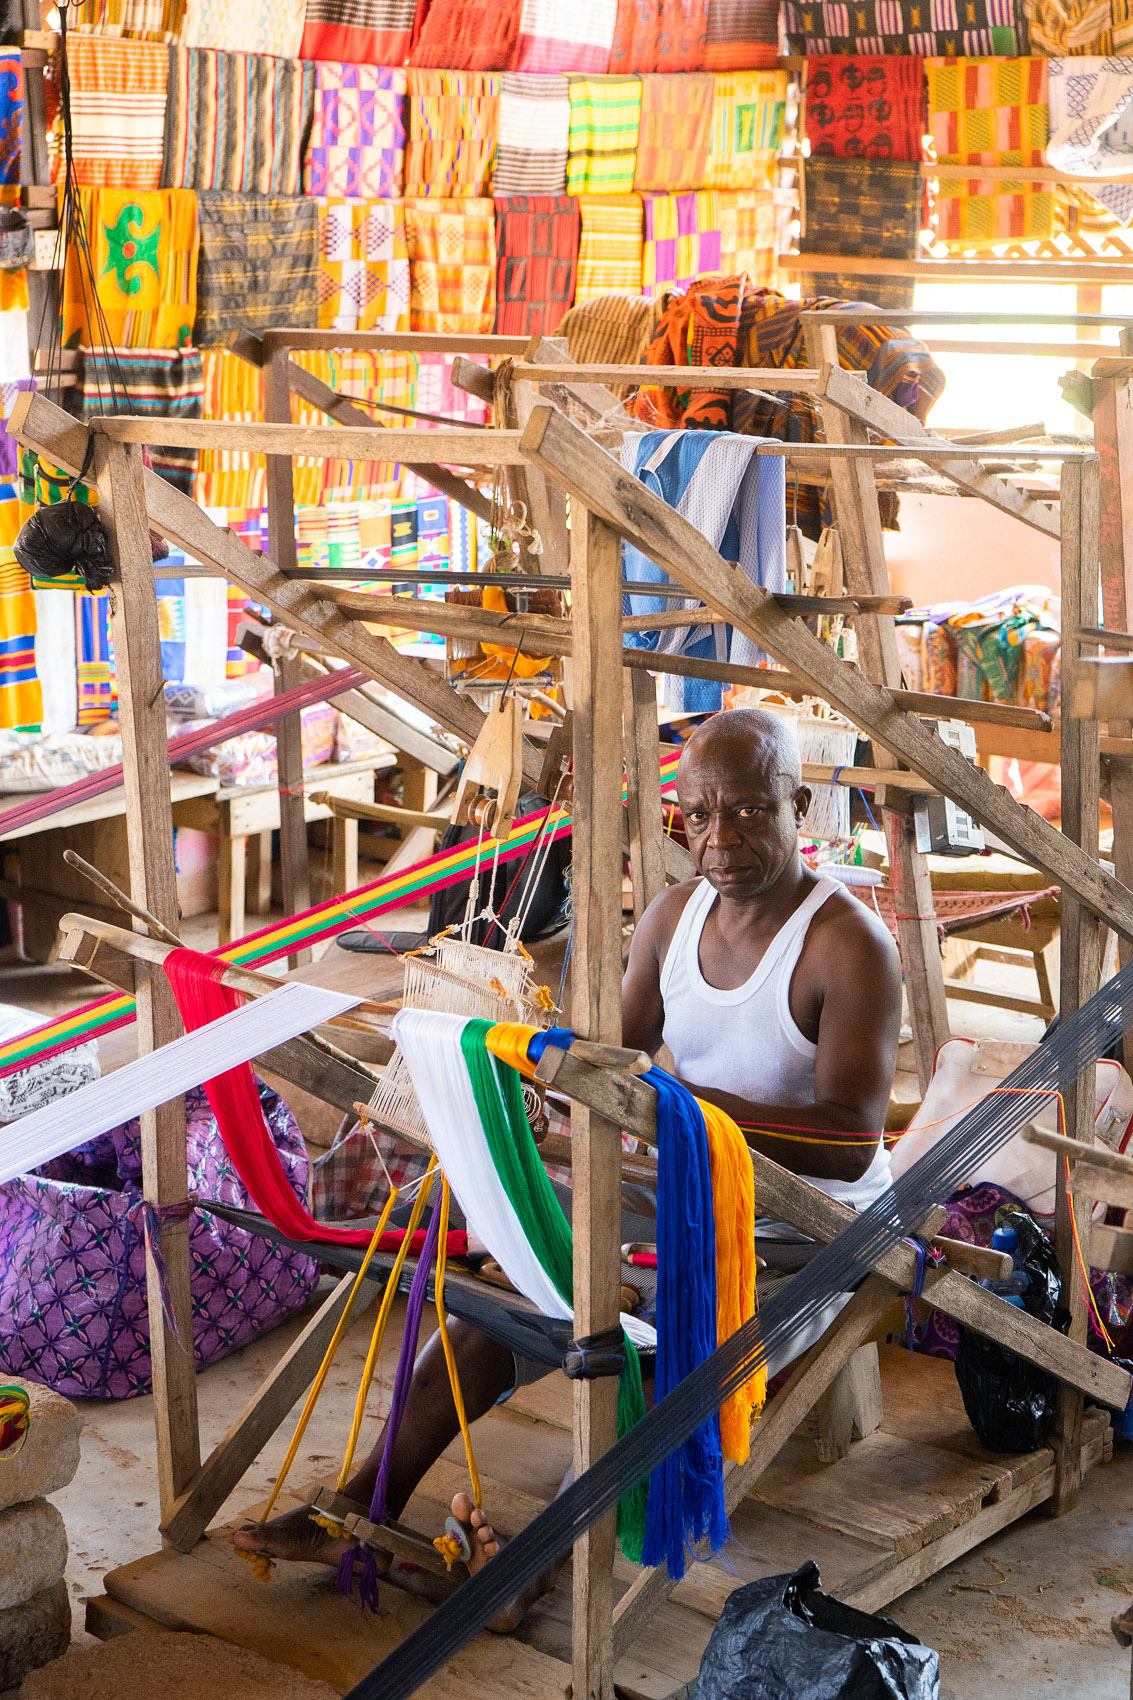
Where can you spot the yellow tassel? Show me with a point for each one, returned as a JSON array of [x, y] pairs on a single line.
[[449, 1548], [331, 1526], [260, 1562], [733, 1210]]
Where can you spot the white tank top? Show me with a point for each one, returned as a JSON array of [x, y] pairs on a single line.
[[745, 1041]]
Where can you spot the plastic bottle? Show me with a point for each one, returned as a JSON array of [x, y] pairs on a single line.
[[1013, 1286]]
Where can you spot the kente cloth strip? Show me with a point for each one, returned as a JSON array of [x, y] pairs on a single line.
[[357, 141], [536, 257], [749, 116], [674, 139], [660, 35], [1095, 28], [533, 135], [863, 206], [558, 37], [682, 240], [605, 114], [274, 27], [467, 35], [363, 266], [863, 107], [259, 264], [451, 121], [990, 112], [782, 1317], [158, 382], [737, 500], [742, 35], [1091, 126], [358, 32], [21, 696], [898, 26], [95, 675], [140, 20], [118, 102], [144, 251], [452, 265], [236, 121], [750, 221], [611, 246], [11, 113]]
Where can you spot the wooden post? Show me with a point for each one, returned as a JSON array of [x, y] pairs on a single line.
[[153, 883], [596, 1014], [1081, 931], [294, 866], [643, 789]]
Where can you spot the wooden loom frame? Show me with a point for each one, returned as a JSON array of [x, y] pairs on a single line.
[[606, 503]]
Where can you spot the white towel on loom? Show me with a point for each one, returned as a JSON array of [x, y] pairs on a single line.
[[1091, 125]]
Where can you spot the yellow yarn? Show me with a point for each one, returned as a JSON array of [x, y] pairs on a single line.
[[332, 1527], [733, 1209], [260, 1562], [449, 1548], [509, 1040]]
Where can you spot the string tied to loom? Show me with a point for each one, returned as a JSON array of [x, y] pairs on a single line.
[[592, 1356], [154, 1218], [925, 1255], [358, 1571]]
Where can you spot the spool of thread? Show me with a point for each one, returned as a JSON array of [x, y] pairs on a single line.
[[14, 1420]]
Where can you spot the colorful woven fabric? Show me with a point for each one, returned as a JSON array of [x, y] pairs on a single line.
[[259, 264], [452, 265], [11, 113], [749, 116], [274, 27], [1091, 126], [742, 35], [363, 266], [674, 137], [862, 206], [536, 257], [611, 246], [864, 107], [98, 688], [682, 240], [451, 120], [158, 382], [990, 112], [1060, 29], [118, 95], [357, 142], [358, 32], [699, 328], [467, 35], [660, 35], [899, 26], [236, 121], [554, 36], [533, 135], [21, 699], [605, 116], [140, 20], [750, 222], [144, 252]]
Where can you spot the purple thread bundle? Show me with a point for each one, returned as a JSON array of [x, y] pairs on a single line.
[[414, 1307]]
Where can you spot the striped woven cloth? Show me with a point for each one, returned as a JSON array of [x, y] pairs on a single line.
[[749, 116], [682, 240], [605, 115], [536, 257], [611, 246], [674, 139], [533, 135], [144, 251], [118, 99], [1065, 29], [97, 685], [158, 381], [660, 35], [742, 35], [467, 35], [357, 141], [452, 265], [245, 26], [21, 697], [363, 266], [870, 207], [259, 264], [236, 121], [898, 26], [861, 106], [990, 112], [565, 35], [140, 20], [610, 330], [451, 119], [358, 32]]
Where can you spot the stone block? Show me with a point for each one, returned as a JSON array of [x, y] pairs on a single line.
[[33, 1550], [49, 1457], [34, 1633], [175, 1666]]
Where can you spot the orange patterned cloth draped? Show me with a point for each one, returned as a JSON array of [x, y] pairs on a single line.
[[140, 20], [537, 253], [700, 328], [452, 265], [451, 118], [118, 96], [660, 35], [144, 252], [358, 32], [674, 138]]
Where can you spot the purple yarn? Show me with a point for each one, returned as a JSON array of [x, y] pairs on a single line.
[[357, 1553], [414, 1307]]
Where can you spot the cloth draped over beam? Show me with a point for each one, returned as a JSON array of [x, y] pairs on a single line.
[[467, 35], [898, 26], [532, 135], [1061, 29], [452, 264], [357, 142], [565, 35], [363, 280], [140, 20], [118, 107], [236, 121], [659, 35], [991, 112], [536, 259], [358, 32], [451, 119], [674, 139], [749, 120], [273, 27], [161, 382], [259, 263], [610, 251], [605, 116], [742, 35], [683, 240], [1091, 126]]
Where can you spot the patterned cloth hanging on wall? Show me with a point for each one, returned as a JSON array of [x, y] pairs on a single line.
[[140, 20], [749, 232], [258, 266], [990, 112], [565, 35], [897, 26], [21, 698], [451, 119], [533, 135], [98, 686], [236, 121], [11, 114], [144, 252], [682, 240], [274, 27], [605, 116], [118, 102], [358, 32], [610, 247], [536, 258], [749, 118], [674, 138], [357, 141], [742, 35], [870, 207], [363, 266], [660, 35], [467, 35], [860, 106], [452, 265], [165, 382]]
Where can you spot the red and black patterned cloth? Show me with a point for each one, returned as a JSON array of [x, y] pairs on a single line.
[[536, 256], [860, 106]]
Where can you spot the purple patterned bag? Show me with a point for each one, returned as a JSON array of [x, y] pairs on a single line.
[[73, 1309]]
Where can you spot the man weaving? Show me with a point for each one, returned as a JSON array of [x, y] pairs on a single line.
[[778, 995]]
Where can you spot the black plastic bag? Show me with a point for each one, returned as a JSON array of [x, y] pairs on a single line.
[[781, 1639], [66, 535], [1010, 1404]]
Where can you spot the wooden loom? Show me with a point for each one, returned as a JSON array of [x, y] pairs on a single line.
[[607, 503]]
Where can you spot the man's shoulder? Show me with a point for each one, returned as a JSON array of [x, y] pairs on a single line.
[[659, 922], [845, 920]]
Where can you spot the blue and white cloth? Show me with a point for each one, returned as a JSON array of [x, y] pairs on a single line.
[[1091, 126]]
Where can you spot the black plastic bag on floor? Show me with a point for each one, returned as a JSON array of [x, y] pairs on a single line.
[[781, 1639]]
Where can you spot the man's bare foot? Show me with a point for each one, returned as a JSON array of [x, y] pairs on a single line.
[[485, 1544], [294, 1537]]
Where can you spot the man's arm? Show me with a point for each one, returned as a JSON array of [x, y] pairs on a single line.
[[643, 1011]]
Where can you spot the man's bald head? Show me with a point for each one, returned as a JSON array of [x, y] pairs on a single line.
[[742, 800], [747, 739]]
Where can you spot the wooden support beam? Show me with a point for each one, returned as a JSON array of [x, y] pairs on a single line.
[[418, 746], [153, 883], [350, 808], [365, 442], [643, 790], [1071, 269], [394, 342], [784, 380]]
